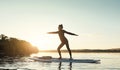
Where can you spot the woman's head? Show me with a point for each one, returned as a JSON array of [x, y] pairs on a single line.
[[60, 27]]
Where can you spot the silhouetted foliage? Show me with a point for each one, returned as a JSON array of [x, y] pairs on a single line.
[[15, 47]]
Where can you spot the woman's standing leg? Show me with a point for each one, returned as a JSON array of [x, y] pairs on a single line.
[[68, 48], [59, 47]]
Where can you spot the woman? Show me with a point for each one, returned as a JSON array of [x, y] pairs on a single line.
[[63, 39]]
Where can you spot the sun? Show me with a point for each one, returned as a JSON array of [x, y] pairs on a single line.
[[40, 44], [44, 42]]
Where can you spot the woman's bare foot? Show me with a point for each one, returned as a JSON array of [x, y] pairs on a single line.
[[60, 58]]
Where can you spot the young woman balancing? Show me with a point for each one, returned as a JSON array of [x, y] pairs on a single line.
[[63, 39]]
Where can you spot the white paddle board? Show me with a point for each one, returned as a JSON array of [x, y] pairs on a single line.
[[50, 59]]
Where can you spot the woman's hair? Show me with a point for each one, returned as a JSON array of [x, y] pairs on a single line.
[[61, 25]]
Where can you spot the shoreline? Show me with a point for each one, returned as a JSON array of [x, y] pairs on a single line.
[[87, 51]]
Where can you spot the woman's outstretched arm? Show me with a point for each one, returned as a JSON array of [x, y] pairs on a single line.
[[70, 33], [53, 32]]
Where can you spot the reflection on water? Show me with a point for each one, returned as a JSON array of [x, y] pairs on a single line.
[[109, 61], [60, 66]]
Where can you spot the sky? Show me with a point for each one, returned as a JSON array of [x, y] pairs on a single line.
[[97, 22]]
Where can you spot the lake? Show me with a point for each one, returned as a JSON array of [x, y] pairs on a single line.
[[109, 61]]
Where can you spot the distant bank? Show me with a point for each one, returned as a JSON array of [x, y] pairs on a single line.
[[87, 50]]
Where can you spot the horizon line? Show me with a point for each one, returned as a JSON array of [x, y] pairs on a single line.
[[117, 50]]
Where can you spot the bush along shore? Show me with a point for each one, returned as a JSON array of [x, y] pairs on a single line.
[[13, 47]]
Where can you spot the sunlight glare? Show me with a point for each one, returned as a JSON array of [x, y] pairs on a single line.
[[44, 42]]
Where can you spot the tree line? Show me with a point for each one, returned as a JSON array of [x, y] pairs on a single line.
[[10, 46]]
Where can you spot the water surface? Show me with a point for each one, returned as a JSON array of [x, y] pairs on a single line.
[[109, 61]]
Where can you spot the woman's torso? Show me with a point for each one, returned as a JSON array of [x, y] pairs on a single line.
[[62, 36]]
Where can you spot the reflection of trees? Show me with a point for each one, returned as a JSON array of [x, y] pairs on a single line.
[[15, 47]]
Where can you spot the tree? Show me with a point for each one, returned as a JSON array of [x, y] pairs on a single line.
[[15, 47]]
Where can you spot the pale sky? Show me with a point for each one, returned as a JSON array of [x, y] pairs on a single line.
[[97, 22]]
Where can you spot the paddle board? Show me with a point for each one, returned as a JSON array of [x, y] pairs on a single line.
[[50, 59]]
